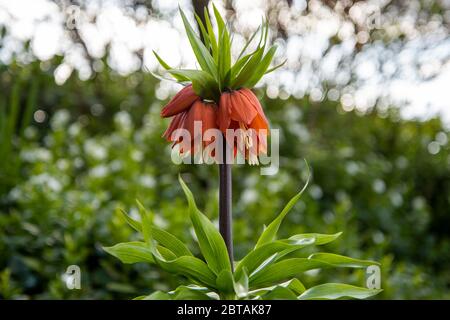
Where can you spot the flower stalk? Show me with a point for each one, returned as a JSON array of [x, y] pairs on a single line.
[[225, 204]]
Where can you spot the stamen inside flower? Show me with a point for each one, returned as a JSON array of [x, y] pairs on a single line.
[[252, 158], [245, 136]]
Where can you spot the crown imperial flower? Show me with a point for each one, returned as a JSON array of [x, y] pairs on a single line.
[[218, 95]]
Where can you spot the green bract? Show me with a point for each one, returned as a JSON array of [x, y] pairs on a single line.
[[269, 271], [218, 72]]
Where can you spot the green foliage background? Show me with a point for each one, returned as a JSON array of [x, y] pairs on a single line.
[[100, 148]]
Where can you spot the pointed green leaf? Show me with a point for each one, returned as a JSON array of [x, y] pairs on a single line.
[[279, 293], [241, 285], [157, 295], [282, 247], [291, 267], [202, 54], [261, 69], [294, 285], [187, 293], [257, 256], [276, 67], [167, 67], [166, 253], [205, 34], [264, 264], [285, 269], [161, 236], [131, 252], [247, 71], [170, 242], [146, 219], [248, 43], [342, 261], [270, 232], [237, 67], [337, 291], [224, 57], [136, 225], [320, 239], [162, 78], [210, 241], [225, 282], [188, 266], [212, 36], [219, 20]]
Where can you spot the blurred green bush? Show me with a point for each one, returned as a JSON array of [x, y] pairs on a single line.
[[382, 180]]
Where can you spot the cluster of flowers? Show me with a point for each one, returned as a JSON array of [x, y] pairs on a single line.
[[237, 110]]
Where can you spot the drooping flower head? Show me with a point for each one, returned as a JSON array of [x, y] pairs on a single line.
[[219, 96]]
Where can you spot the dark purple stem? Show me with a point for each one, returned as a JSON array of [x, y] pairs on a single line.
[[225, 200]]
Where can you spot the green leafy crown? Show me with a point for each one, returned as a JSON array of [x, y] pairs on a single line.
[[213, 53]]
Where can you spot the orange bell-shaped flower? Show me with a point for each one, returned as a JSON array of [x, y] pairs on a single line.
[[241, 111], [201, 114]]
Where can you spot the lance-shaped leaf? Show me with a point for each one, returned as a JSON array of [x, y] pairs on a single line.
[[219, 20], [167, 67], [241, 285], [225, 282], [171, 242], [161, 236], [146, 219], [257, 257], [276, 67], [157, 295], [202, 54], [342, 261], [248, 70], [131, 252], [262, 68], [291, 267], [271, 231], [283, 247], [279, 293], [190, 267], [210, 241], [237, 67], [294, 285], [190, 293], [224, 57], [212, 36], [203, 31], [336, 291], [319, 239], [166, 253], [248, 43], [285, 269]]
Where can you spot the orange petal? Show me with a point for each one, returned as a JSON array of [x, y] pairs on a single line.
[[205, 113], [241, 110], [223, 116], [259, 123], [180, 102], [175, 123], [194, 114], [254, 101], [209, 116]]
